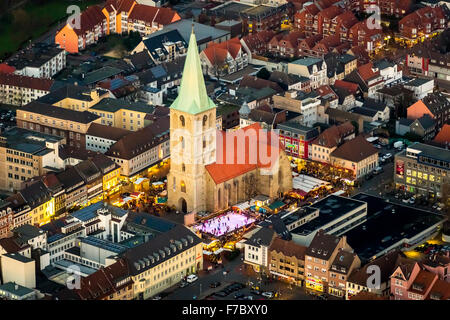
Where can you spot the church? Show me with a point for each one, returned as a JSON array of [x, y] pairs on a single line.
[[211, 170]]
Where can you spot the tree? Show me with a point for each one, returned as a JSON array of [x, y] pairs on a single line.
[[250, 186], [263, 74]]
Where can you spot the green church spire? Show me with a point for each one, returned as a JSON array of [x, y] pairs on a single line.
[[192, 97]]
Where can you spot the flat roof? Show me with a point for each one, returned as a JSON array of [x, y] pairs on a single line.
[[384, 228], [431, 151], [28, 141], [104, 244], [296, 215], [330, 208]]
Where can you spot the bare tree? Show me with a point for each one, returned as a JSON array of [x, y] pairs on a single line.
[[250, 186]]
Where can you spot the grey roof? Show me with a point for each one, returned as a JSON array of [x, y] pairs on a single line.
[[244, 110], [27, 232], [322, 245], [24, 140], [35, 56], [36, 194], [60, 113], [151, 222], [383, 64], [100, 74], [262, 237], [364, 111], [426, 121], [374, 104], [431, 151], [293, 126], [10, 287], [18, 257], [113, 105], [162, 247], [70, 178], [203, 33], [437, 103], [405, 121], [82, 93], [158, 39], [416, 82], [104, 244]]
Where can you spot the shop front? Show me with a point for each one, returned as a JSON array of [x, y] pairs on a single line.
[[314, 284]]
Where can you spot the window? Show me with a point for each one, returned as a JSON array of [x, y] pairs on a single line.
[[182, 121]]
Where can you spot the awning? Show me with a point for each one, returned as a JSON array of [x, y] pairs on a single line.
[[135, 195], [242, 206], [157, 183]]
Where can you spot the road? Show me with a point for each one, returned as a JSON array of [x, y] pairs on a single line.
[[238, 272]]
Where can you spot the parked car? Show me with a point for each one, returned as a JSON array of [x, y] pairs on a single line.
[[238, 295], [248, 298], [256, 292], [214, 284], [412, 200], [387, 156], [156, 298], [268, 294], [191, 278], [221, 294], [378, 170], [183, 284]]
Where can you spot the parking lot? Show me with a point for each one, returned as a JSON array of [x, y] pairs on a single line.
[[7, 119]]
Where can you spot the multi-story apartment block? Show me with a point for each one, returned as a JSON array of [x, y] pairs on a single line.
[[364, 35], [314, 69], [39, 61], [117, 16], [142, 149], [20, 90], [287, 261], [319, 258], [397, 8], [329, 140], [100, 137], [120, 113], [422, 23], [422, 169], [428, 61], [25, 154], [68, 124], [220, 59], [341, 267], [296, 138]]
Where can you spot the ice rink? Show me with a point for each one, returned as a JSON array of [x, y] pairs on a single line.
[[224, 224]]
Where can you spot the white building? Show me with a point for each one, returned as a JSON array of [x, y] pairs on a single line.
[[19, 269], [314, 69], [257, 247], [20, 90], [421, 87], [336, 216], [39, 61]]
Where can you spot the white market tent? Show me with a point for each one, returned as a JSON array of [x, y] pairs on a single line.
[[140, 180], [242, 206], [157, 183], [307, 183]]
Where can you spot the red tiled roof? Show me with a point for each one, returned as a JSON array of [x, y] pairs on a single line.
[[218, 52], [90, 18], [258, 83], [223, 170], [330, 12], [149, 14], [346, 19], [355, 150], [334, 135], [25, 82], [443, 136], [6, 68], [255, 40], [350, 86], [440, 290], [366, 72]]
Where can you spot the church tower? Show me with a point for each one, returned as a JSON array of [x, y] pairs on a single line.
[[192, 137]]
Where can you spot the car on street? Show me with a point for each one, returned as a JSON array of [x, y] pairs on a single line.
[[221, 294], [405, 200], [191, 278], [412, 200], [214, 284], [377, 170], [268, 294], [183, 284], [248, 298], [238, 295], [156, 298], [387, 156], [255, 292], [377, 146]]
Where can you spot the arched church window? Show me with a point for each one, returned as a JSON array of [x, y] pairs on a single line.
[[182, 120], [182, 142], [205, 119], [183, 186], [183, 167]]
